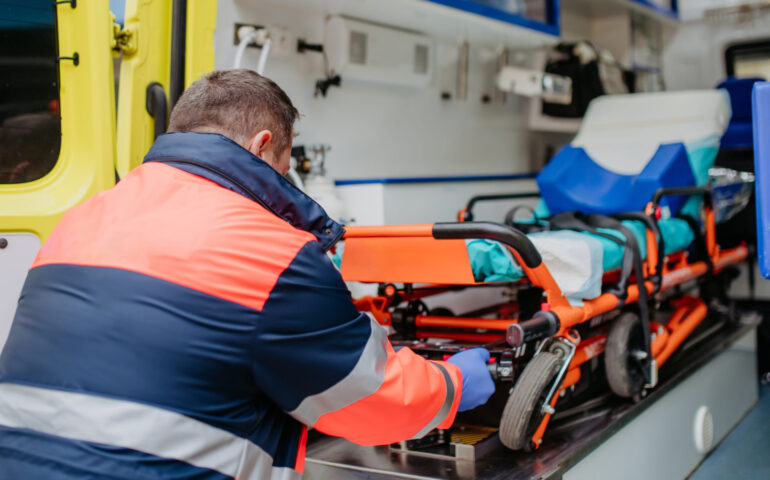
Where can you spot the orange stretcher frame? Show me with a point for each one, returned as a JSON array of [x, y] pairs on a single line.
[[410, 254], [436, 254]]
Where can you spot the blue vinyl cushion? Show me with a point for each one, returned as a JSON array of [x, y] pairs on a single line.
[[573, 181], [739, 134]]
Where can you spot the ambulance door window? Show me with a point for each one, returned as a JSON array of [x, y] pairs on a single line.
[[749, 59], [30, 125]]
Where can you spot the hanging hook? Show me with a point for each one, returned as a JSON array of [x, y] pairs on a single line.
[[75, 58]]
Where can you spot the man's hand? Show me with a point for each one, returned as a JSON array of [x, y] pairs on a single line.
[[478, 385]]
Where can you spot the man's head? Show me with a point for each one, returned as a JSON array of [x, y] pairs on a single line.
[[244, 106]]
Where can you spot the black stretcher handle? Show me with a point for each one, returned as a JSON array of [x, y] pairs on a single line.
[[542, 324], [490, 231], [468, 216], [664, 192]]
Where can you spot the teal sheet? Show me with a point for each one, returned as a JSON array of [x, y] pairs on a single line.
[[702, 155], [491, 262]]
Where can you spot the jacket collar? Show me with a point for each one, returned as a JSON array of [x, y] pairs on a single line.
[[219, 159]]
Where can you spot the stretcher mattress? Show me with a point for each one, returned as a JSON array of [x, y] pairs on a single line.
[[577, 260]]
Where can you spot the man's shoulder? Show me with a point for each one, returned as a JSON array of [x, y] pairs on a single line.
[[215, 207]]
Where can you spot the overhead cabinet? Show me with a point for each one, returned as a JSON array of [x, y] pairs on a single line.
[[538, 15], [512, 23], [664, 11]]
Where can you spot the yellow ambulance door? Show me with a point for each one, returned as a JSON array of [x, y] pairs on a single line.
[[201, 23], [144, 80], [170, 44], [57, 125]]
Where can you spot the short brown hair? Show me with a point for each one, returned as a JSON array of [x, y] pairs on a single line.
[[237, 104]]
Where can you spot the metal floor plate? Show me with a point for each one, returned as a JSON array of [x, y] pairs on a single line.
[[566, 443]]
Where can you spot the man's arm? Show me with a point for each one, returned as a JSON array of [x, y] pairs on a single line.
[[415, 397], [332, 368]]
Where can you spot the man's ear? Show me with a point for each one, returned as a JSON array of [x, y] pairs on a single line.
[[260, 143]]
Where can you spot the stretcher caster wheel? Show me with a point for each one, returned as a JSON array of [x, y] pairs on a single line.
[[522, 413], [622, 362]]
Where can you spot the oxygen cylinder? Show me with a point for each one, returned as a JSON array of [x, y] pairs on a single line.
[[320, 187]]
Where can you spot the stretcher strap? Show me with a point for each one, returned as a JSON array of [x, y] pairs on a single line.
[[701, 252], [633, 245], [651, 224], [534, 226], [632, 262]]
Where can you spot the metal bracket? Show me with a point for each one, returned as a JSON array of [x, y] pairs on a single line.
[[653, 374], [124, 40], [75, 58], [73, 3], [572, 348], [504, 367]]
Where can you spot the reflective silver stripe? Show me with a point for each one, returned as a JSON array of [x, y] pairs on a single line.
[[144, 428], [446, 407], [365, 379]]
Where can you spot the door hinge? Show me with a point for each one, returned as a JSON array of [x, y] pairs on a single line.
[[123, 40]]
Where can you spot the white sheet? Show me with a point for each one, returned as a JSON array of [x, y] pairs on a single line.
[[574, 260]]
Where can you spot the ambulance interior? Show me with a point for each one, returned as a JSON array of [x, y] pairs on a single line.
[[575, 185]]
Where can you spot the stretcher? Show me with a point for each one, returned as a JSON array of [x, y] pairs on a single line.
[[541, 352], [544, 339]]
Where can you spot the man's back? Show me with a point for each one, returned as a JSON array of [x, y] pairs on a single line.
[[188, 323], [166, 319]]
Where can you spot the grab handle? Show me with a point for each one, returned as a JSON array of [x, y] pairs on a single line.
[[542, 324], [466, 213], [157, 107], [664, 192]]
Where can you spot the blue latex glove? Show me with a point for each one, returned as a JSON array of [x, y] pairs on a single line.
[[478, 385]]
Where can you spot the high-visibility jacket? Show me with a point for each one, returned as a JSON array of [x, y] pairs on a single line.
[[188, 324]]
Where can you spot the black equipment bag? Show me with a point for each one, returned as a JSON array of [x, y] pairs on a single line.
[[589, 70]]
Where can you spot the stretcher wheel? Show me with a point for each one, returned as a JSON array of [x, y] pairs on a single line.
[[522, 414], [624, 371]]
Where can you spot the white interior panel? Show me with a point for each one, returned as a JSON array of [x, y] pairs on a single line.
[[659, 442], [409, 203], [380, 130], [15, 260]]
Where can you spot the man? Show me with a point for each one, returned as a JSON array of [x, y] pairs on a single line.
[[188, 324]]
